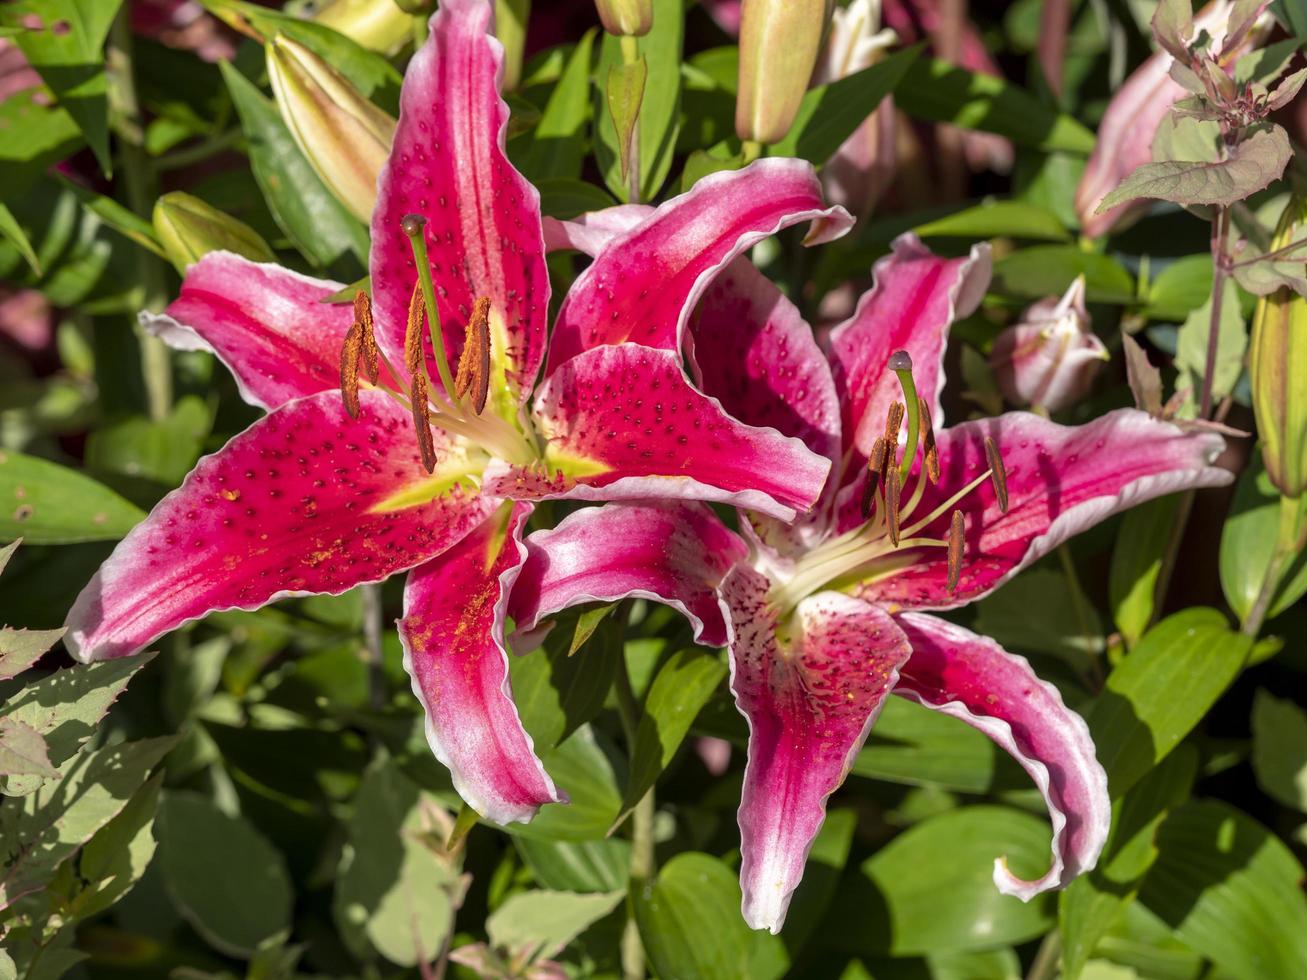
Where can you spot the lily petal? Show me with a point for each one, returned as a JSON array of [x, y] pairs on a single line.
[[483, 229], [673, 552], [810, 705], [268, 325], [622, 422], [1060, 480], [972, 678], [916, 297], [304, 501], [643, 286], [453, 638], [588, 233]]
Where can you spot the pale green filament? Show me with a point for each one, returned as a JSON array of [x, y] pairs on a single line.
[[417, 237]]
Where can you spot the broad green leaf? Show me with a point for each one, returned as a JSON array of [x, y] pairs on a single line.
[[564, 198], [931, 888], [1180, 288], [659, 110], [1157, 694], [577, 866], [68, 51], [13, 231], [1280, 749], [1045, 270], [544, 921], [1253, 165], [1187, 138], [556, 692], [394, 892], [42, 830], [700, 163], [998, 219], [556, 147], [23, 751], [940, 92], [45, 503], [1136, 562], [311, 765], [137, 453], [38, 136], [690, 923], [1264, 65], [829, 114], [128, 224], [1043, 611], [1231, 890], [1191, 350], [681, 687], [582, 769], [1248, 542], [20, 649], [114, 860], [226, 879], [66, 708], [1090, 905], [300, 203]]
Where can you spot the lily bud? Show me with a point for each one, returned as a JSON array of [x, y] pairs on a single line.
[[626, 18], [344, 136], [189, 229], [1049, 358], [378, 25], [779, 42], [1277, 369]]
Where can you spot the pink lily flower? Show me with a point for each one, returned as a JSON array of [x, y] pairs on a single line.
[[831, 614], [325, 493]]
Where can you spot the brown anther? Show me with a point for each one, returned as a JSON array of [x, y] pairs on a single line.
[[929, 451], [417, 315], [956, 531], [474, 363], [893, 422], [422, 421], [371, 356], [349, 369], [997, 473], [893, 491], [875, 471]]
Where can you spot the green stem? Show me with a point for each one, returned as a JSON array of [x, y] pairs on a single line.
[[630, 55], [373, 630], [1045, 965], [156, 367], [642, 821]]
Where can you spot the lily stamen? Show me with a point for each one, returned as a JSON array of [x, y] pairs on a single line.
[[929, 451], [957, 530], [414, 226], [371, 353], [875, 467], [422, 420], [893, 492], [350, 353], [474, 363], [998, 472]]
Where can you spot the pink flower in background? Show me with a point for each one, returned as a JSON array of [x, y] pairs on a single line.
[[832, 613], [186, 25], [1050, 357], [324, 493]]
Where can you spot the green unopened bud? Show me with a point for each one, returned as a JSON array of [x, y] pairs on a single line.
[[779, 42], [378, 25], [189, 229], [1277, 368], [344, 136], [626, 18]]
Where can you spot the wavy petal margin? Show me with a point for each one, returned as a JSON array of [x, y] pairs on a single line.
[[972, 678], [453, 638]]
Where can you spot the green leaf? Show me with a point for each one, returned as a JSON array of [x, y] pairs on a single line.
[[13, 231], [1231, 890], [45, 503], [68, 53], [20, 649], [1280, 749], [1041, 612], [564, 198], [225, 878], [659, 111], [23, 751], [65, 708], [582, 769], [128, 224], [940, 92], [556, 147], [1248, 543], [544, 921], [1180, 288], [114, 860], [998, 219], [149, 455], [690, 923], [42, 830], [829, 114], [38, 136], [821, 877], [300, 203], [1136, 562], [394, 892], [1090, 905], [1251, 166], [931, 888], [625, 93], [577, 866], [1191, 349], [682, 686], [1045, 270], [556, 692], [587, 621], [1157, 694]]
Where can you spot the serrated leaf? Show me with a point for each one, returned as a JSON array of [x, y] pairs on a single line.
[[42, 830], [1280, 749], [20, 649], [226, 879], [1252, 165], [45, 503], [544, 922], [13, 232], [23, 751], [1145, 381], [113, 861]]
